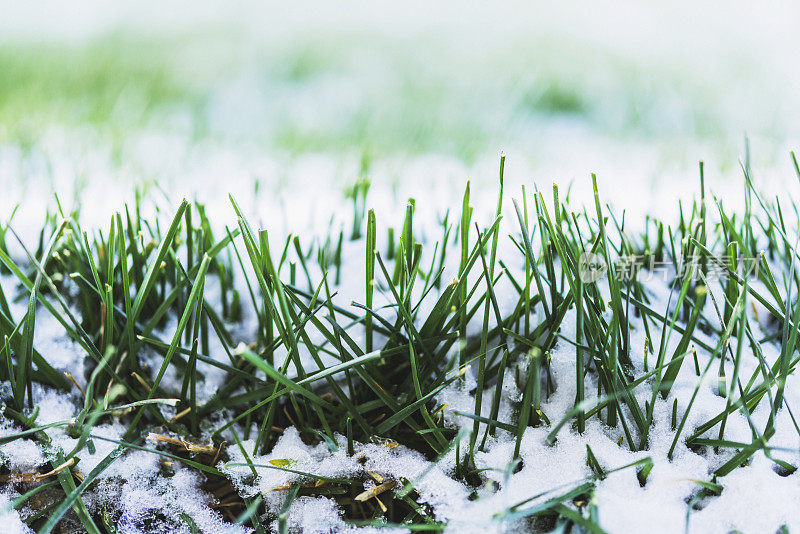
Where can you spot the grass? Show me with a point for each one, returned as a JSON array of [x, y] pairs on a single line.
[[308, 366], [390, 96], [114, 83]]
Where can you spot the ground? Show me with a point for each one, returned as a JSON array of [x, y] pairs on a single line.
[[319, 278]]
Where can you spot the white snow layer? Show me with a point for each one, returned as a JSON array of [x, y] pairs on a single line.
[[755, 497]]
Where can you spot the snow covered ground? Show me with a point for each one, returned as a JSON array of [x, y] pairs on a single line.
[[637, 94]]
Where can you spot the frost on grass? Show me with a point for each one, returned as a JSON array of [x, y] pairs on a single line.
[[437, 376]]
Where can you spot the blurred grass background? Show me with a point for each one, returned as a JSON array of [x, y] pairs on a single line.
[[307, 79], [201, 99]]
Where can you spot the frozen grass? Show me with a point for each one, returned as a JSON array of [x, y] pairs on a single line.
[[171, 373]]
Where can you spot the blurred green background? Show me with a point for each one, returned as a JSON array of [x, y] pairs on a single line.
[[203, 98], [451, 79]]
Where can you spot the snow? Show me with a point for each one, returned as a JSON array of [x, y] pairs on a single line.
[[136, 486], [10, 519], [755, 499], [23, 455], [301, 194], [434, 484], [320, 514], [661, 504], [143, 498]]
